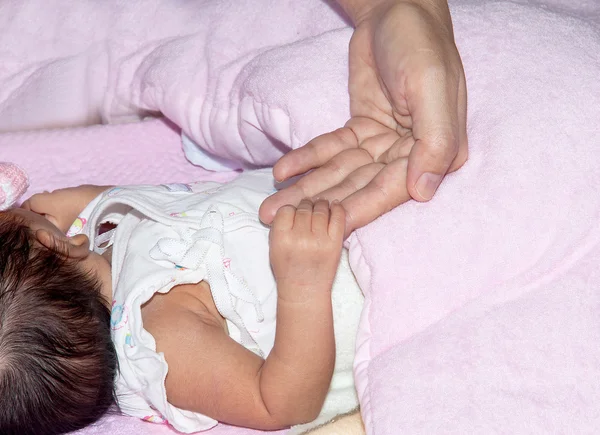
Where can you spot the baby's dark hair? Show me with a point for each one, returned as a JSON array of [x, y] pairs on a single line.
[[57, 360]]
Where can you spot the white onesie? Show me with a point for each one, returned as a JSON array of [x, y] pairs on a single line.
[[185, 233]]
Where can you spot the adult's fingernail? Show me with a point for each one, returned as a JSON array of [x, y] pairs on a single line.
[[427, 184]]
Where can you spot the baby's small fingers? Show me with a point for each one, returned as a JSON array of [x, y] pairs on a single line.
[[337, 221], [303, 218], [284, 218], [320, 218], [38, 203], [26, 205]]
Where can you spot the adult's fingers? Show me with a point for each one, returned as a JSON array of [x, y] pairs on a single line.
[[312, 184], [385, 191], [337, 221], [352, 183], [463, 141], [433, 103], [314, 154]]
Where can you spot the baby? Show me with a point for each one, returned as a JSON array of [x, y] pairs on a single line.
[[175, 302]]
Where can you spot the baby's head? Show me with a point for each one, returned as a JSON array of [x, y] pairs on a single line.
[[57, 361]]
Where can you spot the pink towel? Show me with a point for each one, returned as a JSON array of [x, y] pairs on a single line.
[[483, 306]]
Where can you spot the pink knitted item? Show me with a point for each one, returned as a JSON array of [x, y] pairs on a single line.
[[13, 184]]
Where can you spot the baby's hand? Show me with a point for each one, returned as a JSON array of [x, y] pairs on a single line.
[[62, 206], [306, 244]]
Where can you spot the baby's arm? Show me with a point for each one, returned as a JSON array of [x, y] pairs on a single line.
[[62, 206], [212, 374], [305, 251]]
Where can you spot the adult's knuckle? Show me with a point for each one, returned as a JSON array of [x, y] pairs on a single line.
[[346, 136], [382, 189], [442, 145], [336, 165]]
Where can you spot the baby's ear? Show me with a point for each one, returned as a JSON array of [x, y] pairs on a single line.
[[77, 247]]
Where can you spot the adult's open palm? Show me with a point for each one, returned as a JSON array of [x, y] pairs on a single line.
[[408, 104]]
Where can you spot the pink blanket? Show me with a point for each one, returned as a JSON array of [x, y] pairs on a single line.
[[483, 309], [102, 154]]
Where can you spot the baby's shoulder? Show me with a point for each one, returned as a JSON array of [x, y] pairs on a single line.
[[185, 309]]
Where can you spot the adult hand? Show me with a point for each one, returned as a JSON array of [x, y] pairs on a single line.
[[408, 105]]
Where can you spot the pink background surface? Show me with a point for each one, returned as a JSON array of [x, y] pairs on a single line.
[[482, 310]]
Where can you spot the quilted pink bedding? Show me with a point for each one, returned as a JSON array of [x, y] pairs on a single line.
[[483, 306]]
